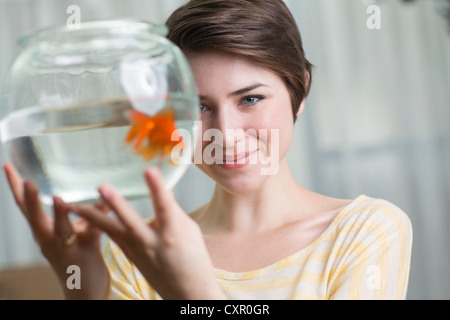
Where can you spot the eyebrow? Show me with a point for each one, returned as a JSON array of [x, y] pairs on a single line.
[[240, 91]]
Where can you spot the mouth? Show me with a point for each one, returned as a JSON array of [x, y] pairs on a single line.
[[235, 162]]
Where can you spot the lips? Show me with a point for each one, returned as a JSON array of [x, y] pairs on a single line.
[[234, 159], [236, 162]]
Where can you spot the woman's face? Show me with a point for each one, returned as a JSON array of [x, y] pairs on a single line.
[[247, 121]]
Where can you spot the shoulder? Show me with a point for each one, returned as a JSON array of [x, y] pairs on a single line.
[[365, 209], [368, 219]]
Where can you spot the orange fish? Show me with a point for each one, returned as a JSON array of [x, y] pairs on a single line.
[[152, 136]]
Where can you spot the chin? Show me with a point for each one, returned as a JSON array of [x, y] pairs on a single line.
[[236, 181]]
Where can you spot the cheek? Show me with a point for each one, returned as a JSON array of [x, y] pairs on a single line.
[[276, 127], [276, 141]]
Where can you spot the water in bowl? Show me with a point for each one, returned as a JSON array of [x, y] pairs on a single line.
[[70, 151]]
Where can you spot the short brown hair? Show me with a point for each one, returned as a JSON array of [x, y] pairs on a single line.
[[262, 30]]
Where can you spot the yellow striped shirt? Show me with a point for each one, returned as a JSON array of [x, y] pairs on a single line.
[[364, 254]]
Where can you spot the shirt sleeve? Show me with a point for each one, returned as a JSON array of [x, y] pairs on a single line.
[[374, 254], [127, 283]]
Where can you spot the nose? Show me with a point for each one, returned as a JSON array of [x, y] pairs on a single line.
[[229, 124]]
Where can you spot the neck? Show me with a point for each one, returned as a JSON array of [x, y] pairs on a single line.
[[265, 208]]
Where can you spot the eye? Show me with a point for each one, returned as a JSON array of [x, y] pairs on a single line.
[[251, 100], [203, 108]]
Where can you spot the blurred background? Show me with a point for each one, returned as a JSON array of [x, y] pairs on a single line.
[[377, 120]]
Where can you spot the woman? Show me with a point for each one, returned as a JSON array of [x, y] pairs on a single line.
[[262, 236]]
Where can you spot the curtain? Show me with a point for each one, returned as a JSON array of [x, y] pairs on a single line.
[[376, 121]]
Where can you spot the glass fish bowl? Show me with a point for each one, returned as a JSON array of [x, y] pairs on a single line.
[[98, 104]]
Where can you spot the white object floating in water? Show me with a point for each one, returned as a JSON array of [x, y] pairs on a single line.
[[145, 83]]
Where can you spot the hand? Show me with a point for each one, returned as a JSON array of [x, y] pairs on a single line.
[[169, 251], [64, 243]]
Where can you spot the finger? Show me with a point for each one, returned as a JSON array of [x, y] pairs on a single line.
[[63, 227], [16, 185], [163, 199], [121, 207], [99, 219], [39, 221], [103, 207]]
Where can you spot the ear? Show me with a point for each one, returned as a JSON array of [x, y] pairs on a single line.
[[302, 108], [302, 105]]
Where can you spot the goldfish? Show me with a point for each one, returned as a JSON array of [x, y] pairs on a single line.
[[152, 136]]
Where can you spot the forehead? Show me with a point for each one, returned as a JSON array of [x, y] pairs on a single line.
[[230, 72]]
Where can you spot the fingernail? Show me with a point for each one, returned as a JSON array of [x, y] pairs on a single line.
[[152, 174], [106, 192], [29, 185], [57, 201]]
